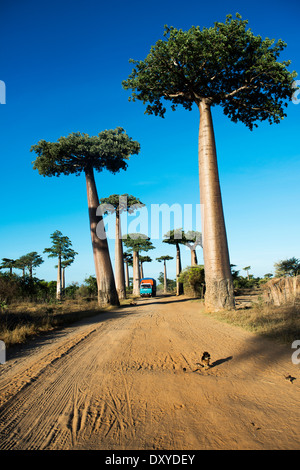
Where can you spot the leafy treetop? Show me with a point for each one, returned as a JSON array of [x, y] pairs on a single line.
[[225, 64], [80, 152]]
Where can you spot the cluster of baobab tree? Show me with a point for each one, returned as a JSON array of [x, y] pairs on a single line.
[[225, 65], [60, 249]]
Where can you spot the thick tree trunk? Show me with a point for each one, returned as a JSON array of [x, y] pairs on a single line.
[[107, 293], [219, 287], [165, 277], [136, 274], [119, 263], [58, 284], [179, 285]]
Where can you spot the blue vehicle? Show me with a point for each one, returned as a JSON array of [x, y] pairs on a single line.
[[148, 287]]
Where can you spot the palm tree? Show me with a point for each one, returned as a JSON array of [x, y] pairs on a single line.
[[165, 259]]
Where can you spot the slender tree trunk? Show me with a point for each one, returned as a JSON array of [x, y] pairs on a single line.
[[126, 274], [63, 280], [107, 293], [142, 271], [136, 274], [194, 260], [219, 287], [165, 276], [58, 284], [119, 263], [179, 285]]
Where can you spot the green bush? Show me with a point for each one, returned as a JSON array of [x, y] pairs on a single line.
[[193, 280]]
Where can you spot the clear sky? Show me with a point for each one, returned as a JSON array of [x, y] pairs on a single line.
[[63, 63]]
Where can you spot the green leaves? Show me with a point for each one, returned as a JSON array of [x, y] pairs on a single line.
[[137, 242], [79, 152], [225, 64]]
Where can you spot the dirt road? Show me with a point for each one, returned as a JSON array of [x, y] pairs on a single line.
[[129, 380]]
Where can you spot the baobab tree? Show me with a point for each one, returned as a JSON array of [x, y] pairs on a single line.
[[165, 258], [143, 259], [117, 204], [135, 243], [225, 65], [192, 240], [68, 259], [31, 260], [61, 246], [176, 237], [128, 261], [247, 269], [8, 263], [78, 153]]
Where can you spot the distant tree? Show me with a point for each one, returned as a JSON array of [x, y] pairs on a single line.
[[225, 65], [135, 243], [128, 261], [32, 260], [91, 283], [8, 263], [192, 240], [119, 203], [176, 237], [68, 259], [165, 258], [288, 267], [79, 153], [143, 259], [21, 263], [247, 269], [171, 284], [60, 250]]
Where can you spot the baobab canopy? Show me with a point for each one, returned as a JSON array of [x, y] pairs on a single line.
[[225, 64], [78, 152]]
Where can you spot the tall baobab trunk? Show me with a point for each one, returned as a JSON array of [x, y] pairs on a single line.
[[179, 285], [194, 260], [58, 284], [119, 264], [165, 277], [63, 280], [126, 274], [136, 273], [141, 270], [107, 293], [218, 280]]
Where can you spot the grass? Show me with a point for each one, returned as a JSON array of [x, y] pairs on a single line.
[[281, 324], [21, 321]]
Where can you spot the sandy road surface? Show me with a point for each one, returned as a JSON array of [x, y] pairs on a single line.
[[128, 380]]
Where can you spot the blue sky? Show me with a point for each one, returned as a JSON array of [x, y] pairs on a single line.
[[63, 63]]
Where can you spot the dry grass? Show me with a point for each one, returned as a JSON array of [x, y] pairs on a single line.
[[278, 323], [21, 321]]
